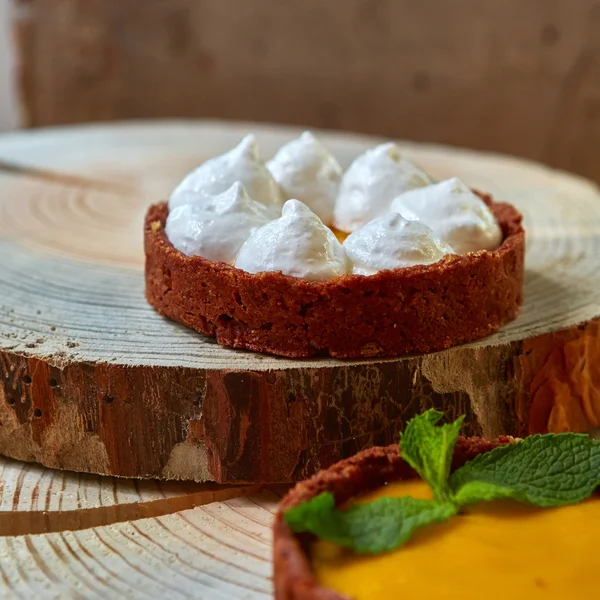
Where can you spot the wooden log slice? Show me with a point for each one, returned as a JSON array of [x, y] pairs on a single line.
[[34, 499], [65, 535], [217, 552], [211, 552], [93, 380], [74, 535]]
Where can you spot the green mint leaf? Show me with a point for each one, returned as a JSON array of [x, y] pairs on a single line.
[[544, 470], [387, 523], [378, 526], [481, 491], [319, 516], [429, 448]]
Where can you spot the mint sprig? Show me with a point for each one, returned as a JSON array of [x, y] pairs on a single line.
[[543, 470], [429, 449], [377, 526]]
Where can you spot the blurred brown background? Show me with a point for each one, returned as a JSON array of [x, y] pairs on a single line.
[[515, 76]]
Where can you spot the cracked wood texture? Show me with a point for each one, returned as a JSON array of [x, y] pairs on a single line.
[[66, 535], [35, 500], [93, 380], [511, 76]]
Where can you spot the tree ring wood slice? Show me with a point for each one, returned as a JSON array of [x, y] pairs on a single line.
[[220, 551], [34, 499], [93, 380]]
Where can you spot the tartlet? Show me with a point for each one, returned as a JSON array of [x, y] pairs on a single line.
[[294, 578], [416, 309]]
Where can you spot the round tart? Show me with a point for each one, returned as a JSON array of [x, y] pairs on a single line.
[[294, 577], [415, 309], [523, 522]]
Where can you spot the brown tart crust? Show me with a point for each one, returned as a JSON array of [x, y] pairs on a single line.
[[366, 471], [402, 311]]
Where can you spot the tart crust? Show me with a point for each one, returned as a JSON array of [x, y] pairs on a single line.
[[366, 471], [418, 309]]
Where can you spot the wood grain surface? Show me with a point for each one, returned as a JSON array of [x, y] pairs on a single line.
[[209, 553], [510, 76], [34, 499], [93, 380], [70, 536]]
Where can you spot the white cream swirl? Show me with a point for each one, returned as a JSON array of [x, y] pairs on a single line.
[[456, 214], [218, 174], [297, 244], [393, 242], [217, 228], [370, 184], [305, 170]]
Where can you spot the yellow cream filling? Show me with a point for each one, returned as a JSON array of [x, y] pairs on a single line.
[[339, 234], [500, 550]]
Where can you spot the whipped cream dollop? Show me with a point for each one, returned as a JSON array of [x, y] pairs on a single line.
[[456, 214], [393, 242], [370, 184], [297, 244], [218, 174], [218, 227], [306, 171]]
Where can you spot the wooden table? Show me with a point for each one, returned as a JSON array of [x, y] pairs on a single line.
[[91, 379]]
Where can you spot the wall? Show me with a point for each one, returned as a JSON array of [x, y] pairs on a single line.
[[516, 76], [9, 110]]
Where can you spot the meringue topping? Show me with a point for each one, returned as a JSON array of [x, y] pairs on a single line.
[[218, 174], [229, 209], [456, 214], [393, 242], [370, 184], [297, 244], [217, 228], [305, 170]]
